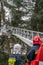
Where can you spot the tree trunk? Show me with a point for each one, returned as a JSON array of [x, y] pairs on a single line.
[[2, 11], [0, 18]]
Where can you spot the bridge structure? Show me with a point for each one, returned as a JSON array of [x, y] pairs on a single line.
[[23, 34]]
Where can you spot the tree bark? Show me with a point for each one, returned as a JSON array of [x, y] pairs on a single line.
[[2, 11]]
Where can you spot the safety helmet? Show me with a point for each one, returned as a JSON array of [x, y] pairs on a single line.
[[17, 49], [37, 40]]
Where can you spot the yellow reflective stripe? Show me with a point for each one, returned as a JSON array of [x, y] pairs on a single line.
[[36, 52], [11, 61]]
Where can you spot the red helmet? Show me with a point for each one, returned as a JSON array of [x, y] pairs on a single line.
[[37, 40]]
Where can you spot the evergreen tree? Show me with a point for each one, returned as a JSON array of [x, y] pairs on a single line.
[[37, 17]]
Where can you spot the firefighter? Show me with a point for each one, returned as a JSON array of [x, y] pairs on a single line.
[[33, 51], [15, 57]]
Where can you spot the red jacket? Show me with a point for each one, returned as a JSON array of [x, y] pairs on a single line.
[[26, 63]]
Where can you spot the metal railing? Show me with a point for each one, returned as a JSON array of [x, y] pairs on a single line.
[[26, 33], [29, 34]]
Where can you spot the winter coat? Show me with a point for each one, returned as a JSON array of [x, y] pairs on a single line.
[[32, 53], [17, 57]]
